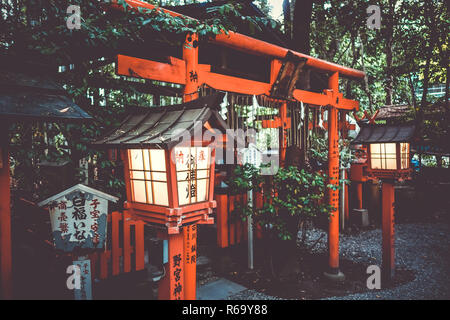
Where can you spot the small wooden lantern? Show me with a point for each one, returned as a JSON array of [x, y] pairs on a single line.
[[170, 183], [388, 146]]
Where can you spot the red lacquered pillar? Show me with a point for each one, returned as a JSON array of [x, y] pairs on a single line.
[[190, 56], [333, 174], [172, 285], [388, 256], [222, 220]]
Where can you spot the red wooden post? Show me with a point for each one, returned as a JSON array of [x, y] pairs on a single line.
[[388, 256], [139, 245], [333, 173], [232, 227], [245, 223], [171, 287], [5, 219], [222, 220], [190, 56], [359, 194], [126, 243], [115, 243], [104, 264], [238, 222], [190, 262]]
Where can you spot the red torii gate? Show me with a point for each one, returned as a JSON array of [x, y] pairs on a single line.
[[192, 75]]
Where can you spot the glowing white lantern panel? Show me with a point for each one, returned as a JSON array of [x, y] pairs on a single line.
[[148, 176], [383, 156], [404, 152]]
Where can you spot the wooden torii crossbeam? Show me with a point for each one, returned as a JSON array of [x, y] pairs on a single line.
[[192, 75], [175, 72]]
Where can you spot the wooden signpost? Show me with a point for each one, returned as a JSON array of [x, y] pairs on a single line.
[[84, 292], [78, 219]]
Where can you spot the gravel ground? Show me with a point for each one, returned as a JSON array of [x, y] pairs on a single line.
[[250, 294], [420, 247]]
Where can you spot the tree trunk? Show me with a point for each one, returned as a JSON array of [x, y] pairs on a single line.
[[287, 19], [302, 25], [348, 90], [389, 86], [447, 82], [429, 19], [366, 77], [413, 94]]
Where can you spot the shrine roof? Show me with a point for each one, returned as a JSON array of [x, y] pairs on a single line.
[[30, 92], [389, 112], [162, 127]]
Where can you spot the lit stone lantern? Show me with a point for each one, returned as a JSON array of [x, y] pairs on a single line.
[[169, 166], [389, 160]]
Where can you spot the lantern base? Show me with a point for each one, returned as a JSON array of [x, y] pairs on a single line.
[[172, 219], [401, 175]]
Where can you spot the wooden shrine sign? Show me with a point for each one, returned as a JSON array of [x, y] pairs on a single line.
[[78, 218]]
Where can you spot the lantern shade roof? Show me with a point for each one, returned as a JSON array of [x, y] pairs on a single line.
[[162, 127], [374, 133]]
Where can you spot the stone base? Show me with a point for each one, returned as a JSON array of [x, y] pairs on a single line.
[[360, 217], [334, 277]]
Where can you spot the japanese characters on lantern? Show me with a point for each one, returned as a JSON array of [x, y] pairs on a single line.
[[192, 166]]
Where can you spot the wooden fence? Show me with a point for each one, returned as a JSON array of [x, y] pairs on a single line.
[[231, 230], [126, 243]]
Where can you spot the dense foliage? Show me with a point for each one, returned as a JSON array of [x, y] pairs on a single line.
[[37, 30], [293, 197], [409, 52]]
